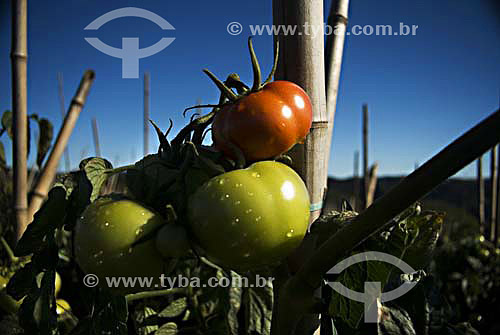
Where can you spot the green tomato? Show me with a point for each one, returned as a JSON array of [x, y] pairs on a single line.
[[250, 218], [7, 303], [172, 241], [103, 241], [62, 307]]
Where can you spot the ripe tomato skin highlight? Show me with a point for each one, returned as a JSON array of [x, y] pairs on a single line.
[[103, 242], [265, 123], [250, 218]]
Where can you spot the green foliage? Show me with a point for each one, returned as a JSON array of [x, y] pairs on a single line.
[[2, 155], [411, 237], [44, 140], [7, 123], [467, 275]]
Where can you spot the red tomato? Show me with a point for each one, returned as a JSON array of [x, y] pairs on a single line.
[[266, 123]]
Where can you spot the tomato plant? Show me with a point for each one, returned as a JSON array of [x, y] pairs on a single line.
[[262, 212], [219, 211]]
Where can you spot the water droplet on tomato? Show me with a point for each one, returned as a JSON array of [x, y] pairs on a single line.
[[248, 211], [290, 233], [246, 255], [258, 218], [221, 182], [237, 202]]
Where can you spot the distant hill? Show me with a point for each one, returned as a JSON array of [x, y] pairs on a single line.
[[456, 197]]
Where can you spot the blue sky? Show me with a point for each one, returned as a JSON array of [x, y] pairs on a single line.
[[423, 91]]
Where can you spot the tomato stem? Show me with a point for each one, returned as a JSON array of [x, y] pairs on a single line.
[[226, 91], [164, 144], [121, 169], [8, 250], [255, 67], [275, 65], [234, 81], [154, 294], [199, 106]]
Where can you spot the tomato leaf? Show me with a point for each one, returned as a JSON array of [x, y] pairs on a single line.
[[174, 309], [395, 322], [110, 314], [142, 315], [169, 328], [7, 123], [78, 192], [2, 155], [396, 240], [44, 312], [22, 281], [50, 216], [429, 225], [95, 170], [150, 176], [44, 140], [257, 303]]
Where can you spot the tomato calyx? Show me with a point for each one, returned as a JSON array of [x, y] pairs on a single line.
[[233, 80]]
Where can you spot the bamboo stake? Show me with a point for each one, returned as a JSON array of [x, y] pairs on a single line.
[[19, 59], [480, 194], [366, 177], [497, 230], [334, 49], [356, 180], [95, 135], [146, 113], [494, 195], [296, 296], [372, 185], [60, 92], [301, 60], [49, 171]]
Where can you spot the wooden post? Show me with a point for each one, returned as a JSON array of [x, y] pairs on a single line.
[[95, 133], [355, 181], [48, 173], [19, 59], [337, 20], [494, 195], [372, 184], [366, 176], [60, 91], [146, 113], [480, 195], [497, 230]]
